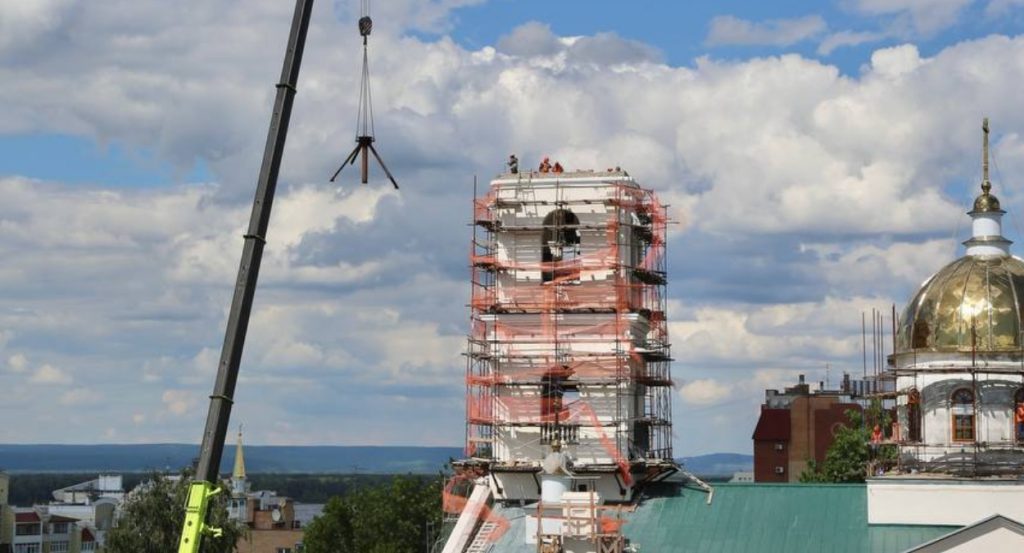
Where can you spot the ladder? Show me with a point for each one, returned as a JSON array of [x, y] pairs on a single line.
[[482, 541]]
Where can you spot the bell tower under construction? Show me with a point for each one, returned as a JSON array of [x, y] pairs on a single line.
[[568, 365]]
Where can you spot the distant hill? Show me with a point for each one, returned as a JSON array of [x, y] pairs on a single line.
[[258, 459], [718, 464], [279, 459]]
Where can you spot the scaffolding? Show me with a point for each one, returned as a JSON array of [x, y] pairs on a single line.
[[580, 516], [568, 339], [918, 381], [968, 455]]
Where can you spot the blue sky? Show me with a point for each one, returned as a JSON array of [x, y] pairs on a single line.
[[78, 159], [818, 161]]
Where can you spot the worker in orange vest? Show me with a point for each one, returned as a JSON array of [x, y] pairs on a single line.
[[1018, 416], [545, 166], [876, 440], [558, 168]]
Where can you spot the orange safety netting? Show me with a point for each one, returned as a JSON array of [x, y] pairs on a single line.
[[575, 322]]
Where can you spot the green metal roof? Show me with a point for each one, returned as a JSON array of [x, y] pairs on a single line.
[[766, 518]]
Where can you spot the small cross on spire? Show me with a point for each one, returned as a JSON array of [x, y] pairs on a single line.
[[986, 185]]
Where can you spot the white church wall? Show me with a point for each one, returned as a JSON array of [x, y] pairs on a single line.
[[994, 424], [937, 503]]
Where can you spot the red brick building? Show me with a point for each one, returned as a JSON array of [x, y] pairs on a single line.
[[795, 427]]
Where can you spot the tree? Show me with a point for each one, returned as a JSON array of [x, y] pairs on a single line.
[[386, 518], [152, 515], [848, 457]]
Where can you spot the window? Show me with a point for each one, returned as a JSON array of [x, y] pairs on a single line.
[[552, 393], [780, 470], [59, 528], [780, 446], [914, 416], [88, 546], [284, 550], [26, 548], [560, 244], [58, 547], [27, 530], [962, 406]]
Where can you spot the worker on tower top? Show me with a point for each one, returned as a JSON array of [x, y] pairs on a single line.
[[545, 165], [557, 168], [513, 164]]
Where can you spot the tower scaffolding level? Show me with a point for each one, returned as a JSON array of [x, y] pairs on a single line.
[[568, 348]]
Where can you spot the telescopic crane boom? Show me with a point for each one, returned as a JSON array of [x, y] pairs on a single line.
[[205, 484]]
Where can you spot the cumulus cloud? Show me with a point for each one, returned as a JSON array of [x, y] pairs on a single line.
[[17, 363], [790, 336], [535, 39], [611, 49], [728, 30], [24, 21], [806, 196], [996, 8], [530, 39], [178, 402], [925, 17], [704, 391], [872, 268], [48, 374], [842, 39], [427, 16]]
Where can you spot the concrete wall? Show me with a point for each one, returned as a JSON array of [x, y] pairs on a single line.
[[959, 503]]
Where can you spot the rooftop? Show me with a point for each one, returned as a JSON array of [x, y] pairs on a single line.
[[581, 174], [26, 517], [773, 424], [749, 517]]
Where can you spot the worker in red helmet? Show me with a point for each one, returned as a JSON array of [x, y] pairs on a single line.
[[558, 168], [545, 165]]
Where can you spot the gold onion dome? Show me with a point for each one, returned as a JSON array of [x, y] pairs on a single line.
[[975, 302], [972, 304]]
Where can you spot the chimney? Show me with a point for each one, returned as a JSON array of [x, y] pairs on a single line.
[[801, 379]]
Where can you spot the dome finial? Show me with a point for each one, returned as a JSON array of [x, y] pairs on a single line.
[[986, 185], [986, 202]]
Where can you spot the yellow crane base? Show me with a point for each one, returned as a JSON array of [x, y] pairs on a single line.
[[199, 494]]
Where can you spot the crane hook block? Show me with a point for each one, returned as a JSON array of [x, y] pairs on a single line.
[[365, 25]]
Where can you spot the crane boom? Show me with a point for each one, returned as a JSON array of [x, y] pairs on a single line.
[[207, 472]]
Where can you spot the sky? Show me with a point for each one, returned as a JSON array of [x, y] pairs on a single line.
[[818, 161]]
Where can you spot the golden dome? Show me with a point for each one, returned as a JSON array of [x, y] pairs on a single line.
[[985, 203], [974, 303]]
